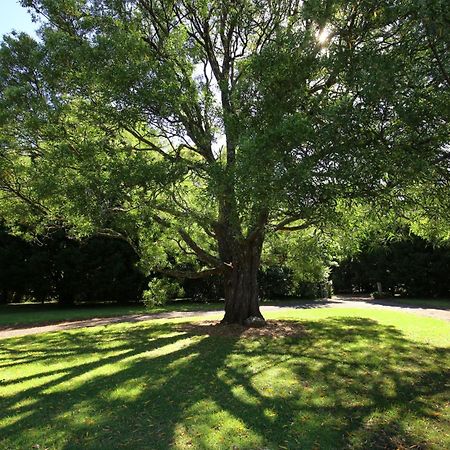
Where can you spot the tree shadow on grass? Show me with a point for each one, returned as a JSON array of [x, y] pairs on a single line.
[[345, 383]]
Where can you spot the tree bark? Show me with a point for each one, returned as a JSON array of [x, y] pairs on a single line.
[[241, 284]]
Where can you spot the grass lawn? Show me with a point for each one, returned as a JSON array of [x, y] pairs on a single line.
[[32, 313], [352, 379], [29, 313]]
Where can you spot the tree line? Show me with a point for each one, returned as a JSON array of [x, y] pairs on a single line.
[[70, 271], [59, 268], [410, 267]]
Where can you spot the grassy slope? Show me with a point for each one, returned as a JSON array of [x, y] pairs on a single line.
[[356, 379]]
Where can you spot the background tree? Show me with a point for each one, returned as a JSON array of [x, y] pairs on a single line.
[[14, 254], [204, 126], [408, 266], [56, 267]]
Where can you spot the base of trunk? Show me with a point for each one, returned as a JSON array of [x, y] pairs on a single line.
[[255, 322], [242, 303], [241, 285], [251, 322]]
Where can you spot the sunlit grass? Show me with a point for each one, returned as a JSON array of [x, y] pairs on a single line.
[[354, 379], [413, 327]]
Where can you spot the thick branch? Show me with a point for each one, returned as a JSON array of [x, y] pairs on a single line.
[[258, 227], [148, 142], [439, 62], [283, 225], [190, 273], [33, 203], [203, 255]]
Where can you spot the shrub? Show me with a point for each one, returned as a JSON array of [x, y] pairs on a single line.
[[160, 290]]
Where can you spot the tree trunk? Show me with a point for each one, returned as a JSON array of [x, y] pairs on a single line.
[[241, 286]]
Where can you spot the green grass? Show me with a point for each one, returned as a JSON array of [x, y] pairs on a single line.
[[355, 379], [28, 313]]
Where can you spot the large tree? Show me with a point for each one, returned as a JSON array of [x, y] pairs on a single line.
[[213, 123]]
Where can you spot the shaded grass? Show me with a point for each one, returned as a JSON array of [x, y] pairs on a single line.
[[28, 313], [35, 314], [355, 379]]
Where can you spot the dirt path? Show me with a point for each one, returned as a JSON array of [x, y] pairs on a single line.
[[335, 302], [367, 303]]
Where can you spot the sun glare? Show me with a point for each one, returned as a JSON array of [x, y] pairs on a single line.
[[323, 35]]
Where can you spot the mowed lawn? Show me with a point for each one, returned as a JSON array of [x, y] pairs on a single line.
[[27, 314], [34, 314], [349, 379]]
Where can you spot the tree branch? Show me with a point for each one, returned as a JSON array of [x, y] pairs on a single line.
[[190, 273], [202, 254], [282, 226]]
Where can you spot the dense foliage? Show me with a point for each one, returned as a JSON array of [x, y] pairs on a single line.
[[410, 267], [58, 268]]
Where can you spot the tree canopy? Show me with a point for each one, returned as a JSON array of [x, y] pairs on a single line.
[[194, 129]]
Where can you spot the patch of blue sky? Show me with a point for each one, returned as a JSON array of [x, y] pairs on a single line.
[[14, 17]]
